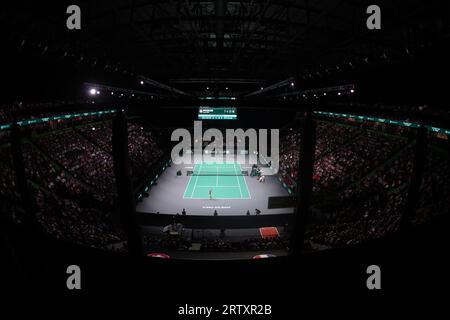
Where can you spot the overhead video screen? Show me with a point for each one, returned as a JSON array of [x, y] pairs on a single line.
[[217, 113]]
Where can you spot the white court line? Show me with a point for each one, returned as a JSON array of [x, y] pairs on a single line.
[[222, 199], [217, 176], [217, 187], [196, 179], [237, 178], [228, 165], [245, 182], [187, 187]]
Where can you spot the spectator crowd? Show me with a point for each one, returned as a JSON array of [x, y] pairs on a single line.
[[71, 179], [363, 169], [365, 172]]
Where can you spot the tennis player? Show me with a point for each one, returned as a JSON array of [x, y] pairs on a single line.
[[210, 194]]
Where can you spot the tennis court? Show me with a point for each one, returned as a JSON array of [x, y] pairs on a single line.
[[224, 179]]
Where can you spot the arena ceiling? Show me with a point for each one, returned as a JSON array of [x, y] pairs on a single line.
[[265, 40]]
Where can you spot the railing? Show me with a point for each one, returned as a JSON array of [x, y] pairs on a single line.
[[215, 222], [152, 177]]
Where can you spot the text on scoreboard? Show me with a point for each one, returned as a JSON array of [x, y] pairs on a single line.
[[217, 113]]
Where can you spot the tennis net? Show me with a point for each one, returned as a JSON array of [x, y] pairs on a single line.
[[216, 173]]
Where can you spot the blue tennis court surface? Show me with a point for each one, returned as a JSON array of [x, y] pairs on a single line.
[[225, 180]]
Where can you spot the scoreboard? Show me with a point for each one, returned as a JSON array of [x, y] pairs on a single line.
[[217, 113]]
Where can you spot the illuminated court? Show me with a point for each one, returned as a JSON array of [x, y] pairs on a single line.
[[224, 180]]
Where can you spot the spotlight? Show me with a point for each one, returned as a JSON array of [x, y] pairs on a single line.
[[112, 93], [92, 91], [352, 91], [292, 84], [98, 92], [262, 88], [207, 88], [339, 93], [226, 88], [142, 82]]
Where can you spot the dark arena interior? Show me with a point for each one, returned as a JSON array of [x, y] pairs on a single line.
[[248, 149]]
